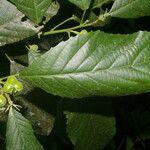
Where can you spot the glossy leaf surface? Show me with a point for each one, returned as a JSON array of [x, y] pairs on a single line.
[[92, 64]]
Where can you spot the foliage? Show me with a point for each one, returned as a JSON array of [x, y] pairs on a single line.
[[73, 73]]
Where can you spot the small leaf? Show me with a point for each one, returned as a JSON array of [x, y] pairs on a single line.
[[130, 8], [19, 134], [12, 29], [92, 64], [90, 131], [34, 9]]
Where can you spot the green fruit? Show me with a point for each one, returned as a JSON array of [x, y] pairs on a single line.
[[12, 80], [8, 88], [3, 101], [18, 86], [12, 85]]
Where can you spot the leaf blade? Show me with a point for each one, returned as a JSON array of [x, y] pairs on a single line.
[[12, 29], [94, 64], [34, 9], [19, 134], [123, 8], [90, 131]]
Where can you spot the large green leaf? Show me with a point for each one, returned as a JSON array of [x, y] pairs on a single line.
[[12, 29], [83, 4], [130, 8], [89, 131], [34, 9], [95, 63], [19, 134]]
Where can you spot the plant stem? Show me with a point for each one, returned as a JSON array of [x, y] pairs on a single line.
[[82, 25], [69, 19], [75, 32], [82, 19], [68, 29], [11, 61]]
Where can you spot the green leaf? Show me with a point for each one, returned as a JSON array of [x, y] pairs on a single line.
[[12, 29], [130, 8], [19, 134], [83, 4], [89, 131], [92, 64], [34, 9]]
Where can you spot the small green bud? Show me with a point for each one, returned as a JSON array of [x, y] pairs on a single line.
[[18, 86], [8, 88], [12, 80]]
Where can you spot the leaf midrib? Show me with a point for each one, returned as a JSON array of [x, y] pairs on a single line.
[[84, 72], [14, 117]]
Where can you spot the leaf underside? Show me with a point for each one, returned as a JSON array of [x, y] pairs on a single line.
[[96, 63], [130, 8], [12, 28], [34, 9], [19, 134]]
